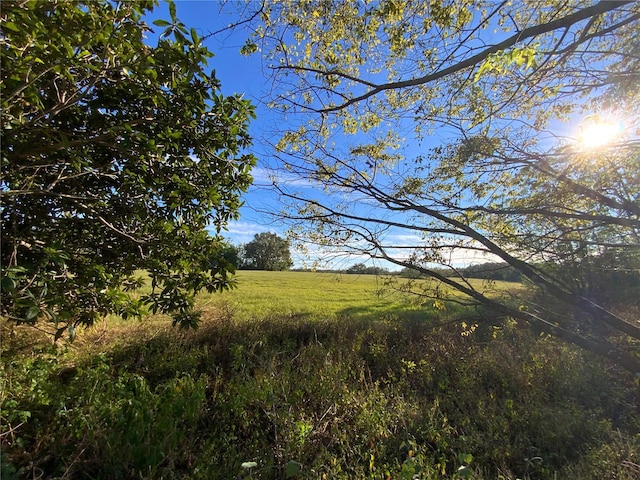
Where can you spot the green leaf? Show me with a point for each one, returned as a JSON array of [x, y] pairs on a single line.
[[161, 23], [172, 11], [464, 472], [32, 312], [8, 284], [249, 47], [292, 469], [194, 36], [179, 36], [10, 26], [59, 333]]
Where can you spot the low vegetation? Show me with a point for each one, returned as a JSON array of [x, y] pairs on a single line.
[[331, 379]]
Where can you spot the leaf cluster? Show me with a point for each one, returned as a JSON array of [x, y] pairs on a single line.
[[117, 156]]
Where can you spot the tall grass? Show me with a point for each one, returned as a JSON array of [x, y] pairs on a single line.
[[300, 376]]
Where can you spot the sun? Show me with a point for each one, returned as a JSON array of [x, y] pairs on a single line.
[[597, 132]]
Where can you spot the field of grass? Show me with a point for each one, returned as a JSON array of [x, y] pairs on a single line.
[[327, 295], [304, 376], [305, 294]]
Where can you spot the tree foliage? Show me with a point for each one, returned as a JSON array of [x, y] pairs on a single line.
[[228, 253], [116, 157], [267, 251], [447, 131], [362, 269]]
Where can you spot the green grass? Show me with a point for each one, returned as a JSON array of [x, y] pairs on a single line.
[[313, 295], [327, 295], [315, 376]]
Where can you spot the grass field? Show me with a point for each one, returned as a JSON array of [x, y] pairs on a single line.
[[314, 295], [315, 376], [326, 295]]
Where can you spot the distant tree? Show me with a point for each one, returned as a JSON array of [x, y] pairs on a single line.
[[357, 268], [267, 251], [362, 269], [116, 157], [408, 272]]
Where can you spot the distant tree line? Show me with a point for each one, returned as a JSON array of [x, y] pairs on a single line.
[[493, 271], [362, 269], [609, 277], [487, 271]]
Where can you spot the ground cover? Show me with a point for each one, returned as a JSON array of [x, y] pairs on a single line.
[[297, 375], [330, 295]]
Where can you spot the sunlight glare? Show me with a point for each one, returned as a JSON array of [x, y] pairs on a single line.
[[596, 132]]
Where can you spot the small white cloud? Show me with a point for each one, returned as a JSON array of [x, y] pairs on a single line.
[[404, 239], [267, 177], [243, 232], [244, 228]]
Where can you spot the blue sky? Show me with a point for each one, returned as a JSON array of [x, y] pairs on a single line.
[[246, 75], [238, 74]]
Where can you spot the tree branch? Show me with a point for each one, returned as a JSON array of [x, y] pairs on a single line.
[[531, 32]]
